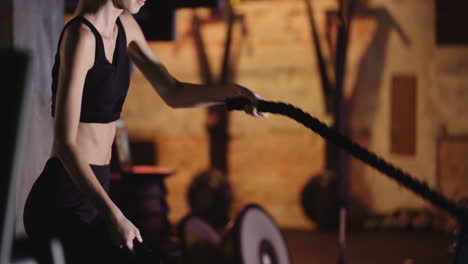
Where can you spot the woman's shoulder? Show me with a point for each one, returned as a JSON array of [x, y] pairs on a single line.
[[77, 38], [78, 31]]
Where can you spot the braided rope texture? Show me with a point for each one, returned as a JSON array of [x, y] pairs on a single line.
[[418, 187]]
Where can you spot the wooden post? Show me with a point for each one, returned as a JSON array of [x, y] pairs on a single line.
[[345, 12]]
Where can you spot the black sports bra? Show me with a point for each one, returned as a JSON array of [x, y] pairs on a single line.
[[106, 83]]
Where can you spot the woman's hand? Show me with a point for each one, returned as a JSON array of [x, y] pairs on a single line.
[[236, 90], [123, 232]]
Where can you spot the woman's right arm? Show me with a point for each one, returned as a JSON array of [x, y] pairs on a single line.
[[76, 58]]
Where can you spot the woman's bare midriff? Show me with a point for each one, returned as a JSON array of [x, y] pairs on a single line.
[[94, 142]]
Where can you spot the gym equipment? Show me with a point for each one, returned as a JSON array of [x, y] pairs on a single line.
[[209, 196], [253, 237], [405, 179], [140, 192], [319, 199], [201, 243]]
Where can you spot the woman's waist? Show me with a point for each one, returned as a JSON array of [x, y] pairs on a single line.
[[56, 175], [95, 153], [94, 143]]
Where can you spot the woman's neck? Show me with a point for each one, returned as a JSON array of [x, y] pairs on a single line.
[[102, 13]]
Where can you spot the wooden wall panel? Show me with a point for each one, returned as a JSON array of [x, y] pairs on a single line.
[[403, 115], [453, 168]]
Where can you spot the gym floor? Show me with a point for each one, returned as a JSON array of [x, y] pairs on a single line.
[[307, 247]]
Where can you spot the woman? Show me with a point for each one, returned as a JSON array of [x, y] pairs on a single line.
[[70, 198]]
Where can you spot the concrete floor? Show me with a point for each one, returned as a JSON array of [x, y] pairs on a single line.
[[308, 247]]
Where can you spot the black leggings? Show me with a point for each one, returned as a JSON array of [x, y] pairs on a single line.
[[55, 208]]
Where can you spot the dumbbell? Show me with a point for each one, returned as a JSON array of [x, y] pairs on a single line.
[[252, 238]]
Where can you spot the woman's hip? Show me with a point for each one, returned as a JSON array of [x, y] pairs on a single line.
[[55, 199]]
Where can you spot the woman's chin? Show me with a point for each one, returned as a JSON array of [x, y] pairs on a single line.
[[134, 10]]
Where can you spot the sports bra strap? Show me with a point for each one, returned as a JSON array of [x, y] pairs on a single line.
[[97, 36], [86, 21], [122, 31]]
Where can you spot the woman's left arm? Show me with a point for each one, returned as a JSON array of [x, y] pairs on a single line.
[[175, 93]]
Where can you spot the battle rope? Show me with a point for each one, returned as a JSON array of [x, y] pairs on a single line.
[[397, 174]]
